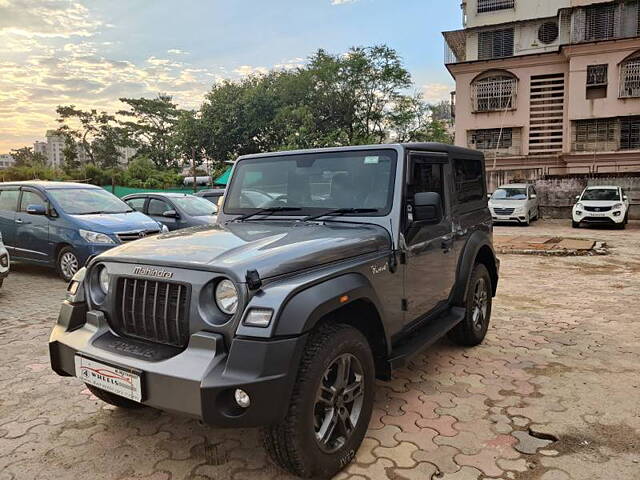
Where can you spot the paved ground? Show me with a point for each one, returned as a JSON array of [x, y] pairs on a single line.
[[562, 358]]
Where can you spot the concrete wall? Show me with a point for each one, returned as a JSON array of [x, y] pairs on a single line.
[[557, 196], [525, 10]]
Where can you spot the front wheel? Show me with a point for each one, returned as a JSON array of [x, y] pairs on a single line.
[[330, 406], [67, 263], [472, 330], [575, 224]]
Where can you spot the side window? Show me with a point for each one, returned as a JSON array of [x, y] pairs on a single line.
[[9, 200], [157, 207], [30, 198], [469, 180], [136, 203], [427, 177], [533, 191]]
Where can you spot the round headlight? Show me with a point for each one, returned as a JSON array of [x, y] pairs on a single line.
[[103, 280], [227, 297]]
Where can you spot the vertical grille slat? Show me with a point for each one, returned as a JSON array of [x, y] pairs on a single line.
[[152, 310]]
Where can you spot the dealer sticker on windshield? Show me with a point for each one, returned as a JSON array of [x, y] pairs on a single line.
[[371, 160], [109, 378]]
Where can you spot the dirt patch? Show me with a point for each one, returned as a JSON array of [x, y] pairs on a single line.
[[621, 439], [549, 370]]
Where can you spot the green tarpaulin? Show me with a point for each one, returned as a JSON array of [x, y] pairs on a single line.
[[224, 178]]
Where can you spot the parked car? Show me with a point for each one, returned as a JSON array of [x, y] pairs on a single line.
[[214, 195], [602, 205], [64, 224], [515, 203], [4, 262], [174, 210], [284, 315]]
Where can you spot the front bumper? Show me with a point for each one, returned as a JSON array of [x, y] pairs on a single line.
[[4, 263], [86, 251], [603, 218], [199, 381], [509, 218]]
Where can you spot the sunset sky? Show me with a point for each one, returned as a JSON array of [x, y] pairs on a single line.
[[90, 53]]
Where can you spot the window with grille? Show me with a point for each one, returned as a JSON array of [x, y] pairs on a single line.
[[597, 75], [494, 5], [491, 139], [598, 135], [630, 133], [630, 78], [600, 22], [494, 93], [495, 44]]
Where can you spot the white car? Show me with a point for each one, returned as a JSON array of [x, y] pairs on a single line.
[[515, 203], [603, 205], [4, 262]]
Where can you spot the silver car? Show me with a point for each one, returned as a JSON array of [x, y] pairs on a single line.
[[515, 203]]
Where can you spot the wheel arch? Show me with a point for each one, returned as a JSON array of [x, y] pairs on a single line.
[[477, 250], [349, 299]]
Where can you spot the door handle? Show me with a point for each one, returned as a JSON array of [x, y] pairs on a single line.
[[19, 220]]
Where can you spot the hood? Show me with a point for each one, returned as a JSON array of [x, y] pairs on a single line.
[[272, 248], [116, 222], [599, 203], [507, 203], [205, 220]]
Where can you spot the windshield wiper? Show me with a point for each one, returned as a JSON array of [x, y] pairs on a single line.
[[267, 211], [339, 211]]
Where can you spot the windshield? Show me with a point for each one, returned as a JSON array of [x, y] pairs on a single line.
[[195, 206], [84, 201], [606, 194], [510, 194], [315, 182]]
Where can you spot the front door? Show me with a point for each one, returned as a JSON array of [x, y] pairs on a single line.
[[430, 255], [32, 231], [156, 209]]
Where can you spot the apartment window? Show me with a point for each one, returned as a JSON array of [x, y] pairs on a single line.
[[597, 80], [494, 92], [630, 133], [630, 77], [495, 44], [597, 135], [600, 22], [494, 5], [491, 139]]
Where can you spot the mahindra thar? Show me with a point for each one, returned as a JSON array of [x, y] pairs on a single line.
[[326, 270]]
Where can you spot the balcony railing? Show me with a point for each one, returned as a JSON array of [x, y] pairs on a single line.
[[455, 46]]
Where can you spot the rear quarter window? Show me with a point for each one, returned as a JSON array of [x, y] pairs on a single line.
[[469, 180]]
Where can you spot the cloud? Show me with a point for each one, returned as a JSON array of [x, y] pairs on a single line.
[[177, 51], [342, 2], [246, 70], [436, 92]]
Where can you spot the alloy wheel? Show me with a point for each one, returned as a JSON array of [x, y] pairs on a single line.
[[339, 402], [68, 264], [480, 303]]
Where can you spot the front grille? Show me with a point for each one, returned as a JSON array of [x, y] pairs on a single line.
[[503, 211], [598, 209], [135, 235], [152, 310]]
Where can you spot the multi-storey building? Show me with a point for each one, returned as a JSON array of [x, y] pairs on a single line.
[[53, 150], [6, 161], [548, 86]]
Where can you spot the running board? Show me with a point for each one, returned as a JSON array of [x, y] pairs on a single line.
[[425, 336]]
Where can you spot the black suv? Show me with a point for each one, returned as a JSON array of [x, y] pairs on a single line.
[[284, 313]]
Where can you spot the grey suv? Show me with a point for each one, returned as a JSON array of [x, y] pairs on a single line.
[[284, 314]]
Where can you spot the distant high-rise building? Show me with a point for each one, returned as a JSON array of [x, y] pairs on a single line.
[[6, 161], [53, 150], [551, 86]]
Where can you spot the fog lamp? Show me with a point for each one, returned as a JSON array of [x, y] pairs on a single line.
[[242, 398]]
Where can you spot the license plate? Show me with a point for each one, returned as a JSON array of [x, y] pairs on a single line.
[[595, 214], [125, 383]]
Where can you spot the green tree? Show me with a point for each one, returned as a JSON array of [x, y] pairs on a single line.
[[151, 126], [26, 157]]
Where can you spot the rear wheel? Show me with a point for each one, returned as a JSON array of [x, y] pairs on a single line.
[[67, 263], [472, 330], [113, 399], [330, 406]]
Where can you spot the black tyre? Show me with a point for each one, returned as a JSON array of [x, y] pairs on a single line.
[[67, 263], [621, 226], [472, 330], [575, 224], [112, 399], [330, 406]]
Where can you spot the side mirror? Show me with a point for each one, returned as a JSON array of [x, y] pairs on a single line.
[[577, 197], [533, 196], [36, 210], [625, 198], [489, 195], [170, 214], [427, 207]]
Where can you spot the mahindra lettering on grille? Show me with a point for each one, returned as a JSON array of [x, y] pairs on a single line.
[[152, 310], [152, 272]]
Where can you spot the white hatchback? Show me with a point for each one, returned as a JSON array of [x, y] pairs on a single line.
[[4, 262], [515, 203], [602, 205]]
